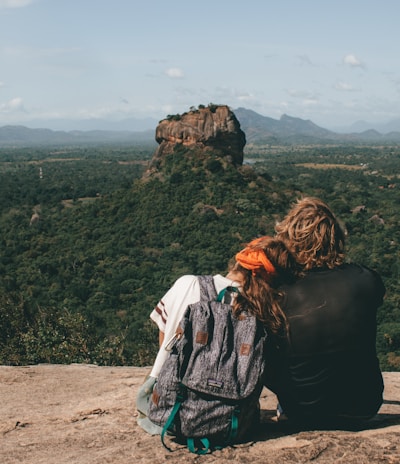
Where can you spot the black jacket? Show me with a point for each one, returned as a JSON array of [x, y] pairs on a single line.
[[328, 369]]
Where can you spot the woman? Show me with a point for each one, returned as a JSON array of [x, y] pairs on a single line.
[[257, 271]]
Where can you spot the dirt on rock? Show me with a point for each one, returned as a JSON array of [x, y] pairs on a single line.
[[81, 414]]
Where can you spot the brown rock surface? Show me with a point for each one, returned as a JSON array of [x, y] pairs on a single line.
[[80, 414], [211, 128]]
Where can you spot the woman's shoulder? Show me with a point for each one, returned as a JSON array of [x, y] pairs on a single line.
[[186, 280], [184, 284], [190, 282]]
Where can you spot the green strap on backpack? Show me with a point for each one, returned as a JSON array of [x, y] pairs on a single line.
[[204, 441], [222, 293]]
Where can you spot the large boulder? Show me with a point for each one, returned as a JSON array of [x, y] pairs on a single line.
[[207, 129]]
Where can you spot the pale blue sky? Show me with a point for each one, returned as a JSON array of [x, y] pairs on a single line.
[[334, 62]]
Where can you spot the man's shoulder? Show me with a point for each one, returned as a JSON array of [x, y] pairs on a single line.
[[361, 272], [343, 271], [348, 279], [335, 277]]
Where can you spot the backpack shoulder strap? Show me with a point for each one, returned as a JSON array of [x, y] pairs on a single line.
[[208, 291], [207, 288]]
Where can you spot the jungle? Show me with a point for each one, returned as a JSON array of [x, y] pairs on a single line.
[[89, 242]]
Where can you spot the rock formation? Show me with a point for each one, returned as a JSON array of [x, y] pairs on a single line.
[[207, 129]]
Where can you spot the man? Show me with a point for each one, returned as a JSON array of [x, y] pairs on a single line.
[[327, 371]]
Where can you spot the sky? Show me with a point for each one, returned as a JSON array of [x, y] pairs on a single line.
[[334, 62]]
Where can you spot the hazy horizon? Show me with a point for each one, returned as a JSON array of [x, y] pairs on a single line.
[[133, 124]]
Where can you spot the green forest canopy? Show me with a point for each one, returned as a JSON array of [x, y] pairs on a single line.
[[88, 248]]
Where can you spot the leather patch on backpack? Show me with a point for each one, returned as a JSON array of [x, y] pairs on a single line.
[[179, 332], [155, 397], [202, 338], [245, 349]]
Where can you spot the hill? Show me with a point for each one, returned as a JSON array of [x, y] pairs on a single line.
[[261, 129], [289, 130]]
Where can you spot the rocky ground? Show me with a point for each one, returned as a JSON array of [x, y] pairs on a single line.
[[80, 414]]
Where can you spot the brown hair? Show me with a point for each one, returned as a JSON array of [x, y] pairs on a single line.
[[313, 234], [259, 293]]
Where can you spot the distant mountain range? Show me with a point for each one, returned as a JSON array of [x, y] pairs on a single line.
[[258, 129], [21, 136], [94, 124], [383, 128], [289, 130]]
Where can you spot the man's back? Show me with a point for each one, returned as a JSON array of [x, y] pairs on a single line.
[[329, 369]]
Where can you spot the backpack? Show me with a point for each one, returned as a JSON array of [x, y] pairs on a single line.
[[207, 391]]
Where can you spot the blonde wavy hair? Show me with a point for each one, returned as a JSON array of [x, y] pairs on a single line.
[[259, 292], [312, 233]]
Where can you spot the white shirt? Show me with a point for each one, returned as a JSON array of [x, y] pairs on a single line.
[[170, 309]]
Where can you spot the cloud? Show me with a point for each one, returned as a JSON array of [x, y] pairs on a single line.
[[167, 109], [180, 91], [304, 60], [14, 3], [245, 96], [343, 86], [232, 94], [393, 79], [2, 84], [97, 112], [296, 93], [306, 96], [12, 106], [353, 61], [174, 73], [310, 101]]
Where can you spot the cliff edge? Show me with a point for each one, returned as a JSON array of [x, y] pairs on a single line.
[[85, 414]]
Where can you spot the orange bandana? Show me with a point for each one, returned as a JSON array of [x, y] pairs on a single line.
[[254, 259]]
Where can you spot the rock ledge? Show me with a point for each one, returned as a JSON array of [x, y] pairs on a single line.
[[85, 414]]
